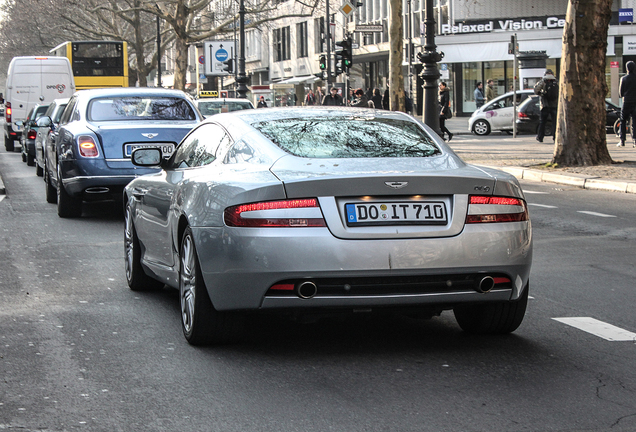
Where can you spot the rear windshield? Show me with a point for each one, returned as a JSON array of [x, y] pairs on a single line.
[[208, 108], [349, 137], [140, 108]]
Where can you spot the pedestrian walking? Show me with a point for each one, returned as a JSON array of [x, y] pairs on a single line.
[[333, 99], [386, 99], [261, 103], [490, 90], [377, 99], [361, 99], [310, 99], [627, 90], [479, 95], [548, 89], [445, 111]]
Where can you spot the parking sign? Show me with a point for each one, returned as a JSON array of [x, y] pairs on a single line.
[[215, 53]]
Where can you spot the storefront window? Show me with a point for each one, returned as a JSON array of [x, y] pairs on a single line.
[[471, 75], [495, 71]]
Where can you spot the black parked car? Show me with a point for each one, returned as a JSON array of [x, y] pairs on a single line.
[[27, 140], [529, 115]]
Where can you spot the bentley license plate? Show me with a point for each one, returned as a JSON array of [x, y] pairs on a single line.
[[397, 213], [166, 148]]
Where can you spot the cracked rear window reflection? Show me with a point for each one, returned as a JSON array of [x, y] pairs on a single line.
[[348, 137]]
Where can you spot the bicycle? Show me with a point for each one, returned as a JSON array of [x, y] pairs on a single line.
[[629, 130]]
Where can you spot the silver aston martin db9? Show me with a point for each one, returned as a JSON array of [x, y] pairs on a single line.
[[305, 209]]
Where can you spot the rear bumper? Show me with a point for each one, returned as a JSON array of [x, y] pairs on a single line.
[[88, 178], [240, 265]]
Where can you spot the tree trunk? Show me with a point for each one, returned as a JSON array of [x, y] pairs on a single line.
[[580, 133], [396, 55]]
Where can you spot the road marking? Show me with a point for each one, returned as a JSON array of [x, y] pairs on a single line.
[[2, 197], [542, 205], [599, 328], [595, 214], [536, 192]]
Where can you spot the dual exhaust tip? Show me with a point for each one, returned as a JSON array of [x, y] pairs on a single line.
[[308, 289]]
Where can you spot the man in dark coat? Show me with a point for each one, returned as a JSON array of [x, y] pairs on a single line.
[[548, 89], [627, 90], [333, 99]]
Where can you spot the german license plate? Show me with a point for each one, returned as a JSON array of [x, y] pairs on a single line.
[[397, 213], [166, 148]]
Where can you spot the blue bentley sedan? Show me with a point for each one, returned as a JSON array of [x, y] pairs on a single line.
[[97, 133]]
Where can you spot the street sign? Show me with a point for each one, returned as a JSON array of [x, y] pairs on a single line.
[[369, 28], [215, 53], [347, 8], [201, 59]]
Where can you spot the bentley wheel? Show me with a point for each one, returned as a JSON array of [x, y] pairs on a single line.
[[137, 279], [481, 127], [67, 206], [51, 192], [201, 323], [493, 318]]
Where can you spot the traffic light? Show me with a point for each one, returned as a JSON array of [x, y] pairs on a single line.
[[345, 53], [323, 62], [228, 66]]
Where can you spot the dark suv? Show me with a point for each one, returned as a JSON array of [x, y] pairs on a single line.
[[27, 140]]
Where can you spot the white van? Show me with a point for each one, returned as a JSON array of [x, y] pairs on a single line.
[[30, 81]]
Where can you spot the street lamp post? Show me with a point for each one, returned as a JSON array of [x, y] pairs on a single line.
[[158, 51], [430, 74], [241, 78]]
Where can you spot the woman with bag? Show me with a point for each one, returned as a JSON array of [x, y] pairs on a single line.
[[445, 111]]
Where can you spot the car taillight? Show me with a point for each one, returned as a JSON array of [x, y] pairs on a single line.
[[87, 146], [287, 213], [7, 112], [31, 134], [489, 209], [522, 115]]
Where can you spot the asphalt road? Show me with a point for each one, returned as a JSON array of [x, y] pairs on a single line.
[[80, 351]]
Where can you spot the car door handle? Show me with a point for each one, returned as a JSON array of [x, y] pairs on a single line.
[[139, 192]]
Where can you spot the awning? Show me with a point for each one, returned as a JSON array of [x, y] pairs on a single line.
[[308, 79]]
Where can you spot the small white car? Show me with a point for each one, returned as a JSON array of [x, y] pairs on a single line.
[[496, 114]]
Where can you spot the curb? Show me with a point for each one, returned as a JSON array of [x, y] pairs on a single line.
[[578, 180]]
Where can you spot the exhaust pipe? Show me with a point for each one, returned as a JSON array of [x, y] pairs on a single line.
[[485, 284], [306, 290], [97, 190]]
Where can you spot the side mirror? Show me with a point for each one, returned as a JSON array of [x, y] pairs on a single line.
[[44, 121], [146, 157]]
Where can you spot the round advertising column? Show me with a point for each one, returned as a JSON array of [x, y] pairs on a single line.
[[532, 65]]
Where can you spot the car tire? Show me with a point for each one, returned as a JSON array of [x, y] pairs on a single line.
[[38, 170], [137, 279], [481, 127], [24, 157], [202, 324], [9, 144], [492, 318], [51, 192], [67, 205], [30, 160]]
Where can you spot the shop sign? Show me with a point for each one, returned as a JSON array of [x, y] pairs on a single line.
[[629, 45], [508, 25], [626, 15]]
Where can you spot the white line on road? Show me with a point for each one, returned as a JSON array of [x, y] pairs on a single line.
[[542, 205], [595, 214], [2, 197], [535, 192], [599, 328]]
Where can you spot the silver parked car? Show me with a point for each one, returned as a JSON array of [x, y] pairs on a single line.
[[330, 209]]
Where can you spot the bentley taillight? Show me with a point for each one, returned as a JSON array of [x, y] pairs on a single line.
[[87, 146]]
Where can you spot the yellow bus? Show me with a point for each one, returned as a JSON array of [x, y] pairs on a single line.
[[96, 64]]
